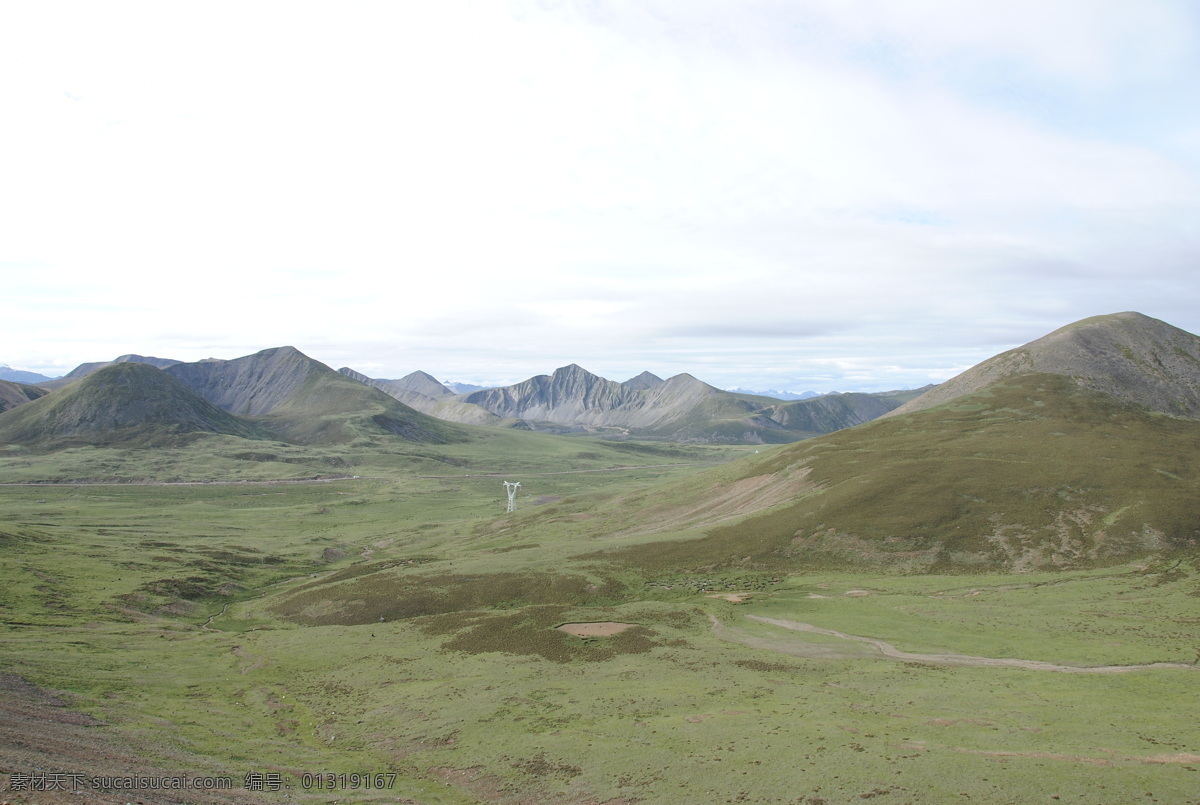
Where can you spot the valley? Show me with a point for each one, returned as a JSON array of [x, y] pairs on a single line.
[[212, 630], [995, 598]]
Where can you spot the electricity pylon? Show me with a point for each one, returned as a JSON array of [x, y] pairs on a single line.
[[512, 488]]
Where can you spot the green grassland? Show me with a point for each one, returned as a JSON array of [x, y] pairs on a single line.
[[400, 622]]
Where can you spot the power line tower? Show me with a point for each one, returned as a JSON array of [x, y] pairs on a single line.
[[512, 488]]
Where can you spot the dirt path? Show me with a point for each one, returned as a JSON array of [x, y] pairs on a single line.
[[211, 618], [888, 650]]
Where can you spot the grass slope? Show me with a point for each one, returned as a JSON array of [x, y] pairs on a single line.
[[1029, 473], [232, 628], [1129, 356]]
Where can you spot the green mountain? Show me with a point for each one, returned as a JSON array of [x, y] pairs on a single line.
[[1032, 470], [122, 404], [1128, 356], [304, 401]]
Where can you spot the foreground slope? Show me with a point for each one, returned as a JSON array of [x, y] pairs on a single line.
[[126, 403], [1036, 470]]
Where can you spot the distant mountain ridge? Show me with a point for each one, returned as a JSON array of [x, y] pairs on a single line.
[[422, 392], [779, 395], [21, 376], [680, 408]]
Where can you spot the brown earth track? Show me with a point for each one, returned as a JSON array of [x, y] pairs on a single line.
[[888, 650]]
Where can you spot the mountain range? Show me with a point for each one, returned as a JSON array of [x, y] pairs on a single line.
[[18, 376], [277, 394], [282, 394], [779, 395], [680, 408], [569, 400]]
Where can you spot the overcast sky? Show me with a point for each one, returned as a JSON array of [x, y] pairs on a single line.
[[800, 194]]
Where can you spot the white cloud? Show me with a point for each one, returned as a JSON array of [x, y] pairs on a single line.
[[480, 189]]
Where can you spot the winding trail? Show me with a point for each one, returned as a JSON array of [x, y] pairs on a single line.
[[888, 650]]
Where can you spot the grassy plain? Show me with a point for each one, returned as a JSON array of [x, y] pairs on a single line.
[[237, 628]]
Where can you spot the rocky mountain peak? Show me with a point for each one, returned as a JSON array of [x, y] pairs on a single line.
[[645, 380]]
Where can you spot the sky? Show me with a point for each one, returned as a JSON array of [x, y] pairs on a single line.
[[856, 195]]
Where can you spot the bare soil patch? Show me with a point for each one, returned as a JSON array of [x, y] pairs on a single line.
[[724, 502], [733, 598], [597, 629]]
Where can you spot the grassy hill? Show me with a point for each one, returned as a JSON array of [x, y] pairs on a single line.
[[1128, 356], [1030, 473], [122, 404]]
